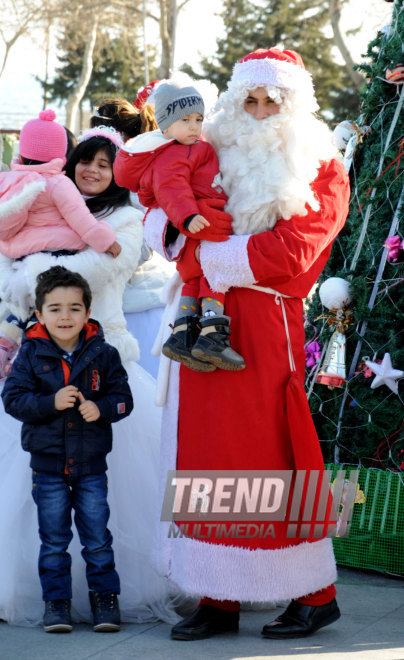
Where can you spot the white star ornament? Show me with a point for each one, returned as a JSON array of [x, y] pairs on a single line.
[[385, 374]]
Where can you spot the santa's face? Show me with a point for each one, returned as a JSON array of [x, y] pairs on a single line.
[[259, 105]]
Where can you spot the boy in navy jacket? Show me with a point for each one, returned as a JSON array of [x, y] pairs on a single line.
[[67, 385]]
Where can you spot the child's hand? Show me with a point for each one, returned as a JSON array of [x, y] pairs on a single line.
[[88, 409], [66, 397], [197, 223], [114, 249]]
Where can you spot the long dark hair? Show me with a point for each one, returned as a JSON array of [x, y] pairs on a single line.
[[114, 196]]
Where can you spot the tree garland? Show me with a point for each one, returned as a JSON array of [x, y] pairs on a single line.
[[354, 421]]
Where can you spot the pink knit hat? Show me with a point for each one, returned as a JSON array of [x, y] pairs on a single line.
[[43, 139]]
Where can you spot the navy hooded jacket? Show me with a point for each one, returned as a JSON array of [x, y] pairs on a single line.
[[60, 440]]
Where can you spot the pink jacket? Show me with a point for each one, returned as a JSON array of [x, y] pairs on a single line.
[[41, 209]]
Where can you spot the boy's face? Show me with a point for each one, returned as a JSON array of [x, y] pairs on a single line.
[[64, 314], [185, 130]]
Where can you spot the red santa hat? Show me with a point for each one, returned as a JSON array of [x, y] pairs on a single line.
[[281, 68], [143, 95]]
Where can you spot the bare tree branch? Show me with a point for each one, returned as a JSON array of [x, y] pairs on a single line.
[[73, 101], [335, 15]]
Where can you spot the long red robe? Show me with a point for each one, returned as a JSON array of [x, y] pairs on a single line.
[[243, 421]]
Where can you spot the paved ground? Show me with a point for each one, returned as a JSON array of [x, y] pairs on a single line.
[[371, 628]]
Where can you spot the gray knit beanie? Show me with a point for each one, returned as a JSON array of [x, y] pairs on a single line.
[[171, 102]]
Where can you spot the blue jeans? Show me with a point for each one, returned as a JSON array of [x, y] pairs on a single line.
[[55, 496]]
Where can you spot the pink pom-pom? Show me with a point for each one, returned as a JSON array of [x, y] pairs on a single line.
[[47, 115]]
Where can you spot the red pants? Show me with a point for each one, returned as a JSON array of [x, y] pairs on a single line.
[[321, 597], [198, 287]]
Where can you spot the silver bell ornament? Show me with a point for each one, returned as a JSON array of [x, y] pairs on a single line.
[[335, 295]]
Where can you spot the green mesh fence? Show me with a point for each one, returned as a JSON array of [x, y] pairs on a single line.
[[376, 537]]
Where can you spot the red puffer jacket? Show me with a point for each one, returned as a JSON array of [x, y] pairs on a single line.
[[167, 174]]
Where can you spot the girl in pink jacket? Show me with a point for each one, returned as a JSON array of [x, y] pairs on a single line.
[[40, 208]]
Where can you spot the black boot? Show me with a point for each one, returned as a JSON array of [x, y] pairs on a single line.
[[179, 344], [105, 610], [205, 622], [213, 344], [301, 620], [56, 618]]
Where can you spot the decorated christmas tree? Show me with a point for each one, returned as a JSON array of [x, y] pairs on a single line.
[[358, 408]]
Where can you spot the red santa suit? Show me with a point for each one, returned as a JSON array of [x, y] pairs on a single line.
[[258, 418]]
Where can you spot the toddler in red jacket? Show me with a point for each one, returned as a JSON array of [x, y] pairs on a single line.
[[173, 169]]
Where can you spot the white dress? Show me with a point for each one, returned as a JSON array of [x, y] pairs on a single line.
[[143, 306], [133, 462]]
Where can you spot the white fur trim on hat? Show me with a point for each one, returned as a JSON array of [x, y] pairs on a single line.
[[268, 71]]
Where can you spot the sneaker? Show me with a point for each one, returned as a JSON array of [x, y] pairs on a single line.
[[179, 344], [213, 344], [56, 618], [106, 614]]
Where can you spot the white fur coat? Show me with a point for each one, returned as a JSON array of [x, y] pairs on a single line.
[[106, 276]]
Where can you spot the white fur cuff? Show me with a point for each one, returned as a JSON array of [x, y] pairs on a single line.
[[155, 225], [226, 264], [154, 230]]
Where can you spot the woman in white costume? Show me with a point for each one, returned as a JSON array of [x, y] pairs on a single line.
[[142, 296], [134, 459]]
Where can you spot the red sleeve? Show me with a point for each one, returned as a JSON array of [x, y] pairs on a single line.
[[172, 188], [295, 245], [125, 171]]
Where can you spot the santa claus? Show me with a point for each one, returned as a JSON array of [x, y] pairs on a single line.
[[289, 199]]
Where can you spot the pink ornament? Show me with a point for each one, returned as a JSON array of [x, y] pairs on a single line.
[[394, 244], [313, 353]]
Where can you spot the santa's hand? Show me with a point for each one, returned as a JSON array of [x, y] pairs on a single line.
[[88, 409]]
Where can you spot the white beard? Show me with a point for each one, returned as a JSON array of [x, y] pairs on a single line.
[[267, 165]]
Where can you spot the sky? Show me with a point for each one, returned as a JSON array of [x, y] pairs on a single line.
[[197, 31]]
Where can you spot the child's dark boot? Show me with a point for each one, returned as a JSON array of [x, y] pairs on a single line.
[[213, 344], [56, 618], [179, 344], [106, 614]]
